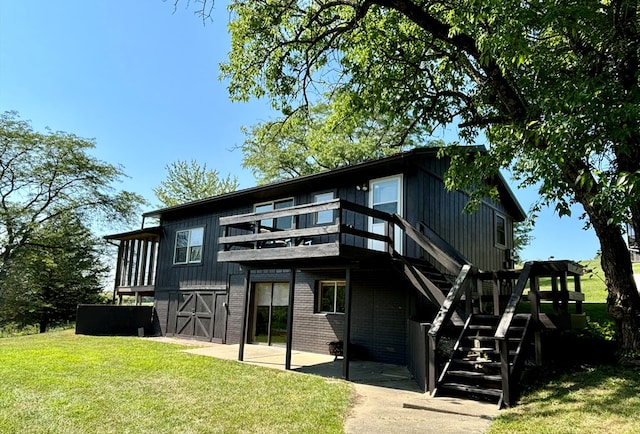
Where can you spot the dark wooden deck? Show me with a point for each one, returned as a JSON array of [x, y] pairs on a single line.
[[345, 241]]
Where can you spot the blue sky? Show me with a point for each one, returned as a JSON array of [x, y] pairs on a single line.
[[143, 81]]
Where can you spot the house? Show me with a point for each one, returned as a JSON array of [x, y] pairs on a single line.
[[377, 255]]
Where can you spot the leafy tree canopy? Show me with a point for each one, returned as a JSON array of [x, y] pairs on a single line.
[[44, 176], [188, 181], [59, 268], [553, 86], [318, 138], [51, 193]]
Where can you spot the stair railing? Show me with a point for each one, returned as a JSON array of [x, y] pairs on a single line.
[[503, 329], [433, 245], [444, 316]]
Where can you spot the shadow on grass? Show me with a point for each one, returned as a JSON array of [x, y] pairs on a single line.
[[599, 399]]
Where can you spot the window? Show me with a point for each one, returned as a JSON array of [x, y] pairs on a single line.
[[500, 231], [188, 246], [385, 194], [331, 297], [280, 222], [324, 217]]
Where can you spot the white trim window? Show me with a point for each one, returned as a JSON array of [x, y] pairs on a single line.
[[385, 194], [500, 230], [323, 217], [281, 223], [331, 296], [188, 247]]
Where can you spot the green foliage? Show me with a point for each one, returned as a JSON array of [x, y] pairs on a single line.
[[309, 141], [60, 267], [189, 181], [65, 383], [521, 237], [51, 192], [553, 86]]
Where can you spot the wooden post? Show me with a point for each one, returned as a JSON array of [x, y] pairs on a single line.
[[132, 250], [432, 343], [578, 289], [534, 297], [564, 293], [121, 249], [554, 293], [292, 285], [496, 296], [143, 262], [506, 372], [245, 319], [390, 234], [347, 326]]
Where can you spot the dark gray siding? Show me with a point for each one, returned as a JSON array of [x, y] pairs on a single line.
[[428, 201], [382, 299]]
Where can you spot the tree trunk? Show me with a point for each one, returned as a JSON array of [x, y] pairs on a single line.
[[623, 300], [44, 322]]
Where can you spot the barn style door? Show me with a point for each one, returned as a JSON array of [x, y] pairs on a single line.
[[201, 315]]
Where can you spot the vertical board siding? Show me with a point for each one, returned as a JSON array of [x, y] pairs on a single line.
[[382, 300], [443, 211]]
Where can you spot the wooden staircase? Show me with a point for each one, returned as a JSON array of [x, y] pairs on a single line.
[[475, 369]]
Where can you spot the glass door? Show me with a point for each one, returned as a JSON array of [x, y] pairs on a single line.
[[385, 194], [271, 307]]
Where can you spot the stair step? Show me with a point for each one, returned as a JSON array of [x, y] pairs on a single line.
[[488, 338], [475, 375], [481, 327], [497, 393], [478, 349], [486, 316], [487, 363]]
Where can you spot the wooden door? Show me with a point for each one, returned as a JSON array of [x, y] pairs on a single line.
[[201, 315]]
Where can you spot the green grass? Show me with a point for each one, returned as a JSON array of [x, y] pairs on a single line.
[[598, 400], [64, 383], [595, 399]]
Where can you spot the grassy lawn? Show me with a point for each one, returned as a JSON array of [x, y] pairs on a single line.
[[589, 399], [63, 383], [598, 400]]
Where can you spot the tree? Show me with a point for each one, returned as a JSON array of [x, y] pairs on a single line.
[[45, 180], [187, 181], [553, 86], [310, 140], [521, 238], [59, 268]]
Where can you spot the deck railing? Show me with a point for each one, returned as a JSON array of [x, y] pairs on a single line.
[[257, 236]]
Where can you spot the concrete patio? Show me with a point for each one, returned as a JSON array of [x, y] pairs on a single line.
[[387, 399]]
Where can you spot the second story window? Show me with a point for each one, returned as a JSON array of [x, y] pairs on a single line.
[[323, 217], [500, 230], [188, 248], [281, 223]]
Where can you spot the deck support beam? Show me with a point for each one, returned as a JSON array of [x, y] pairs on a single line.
[[292, 285], [347, 326], [245, 319]]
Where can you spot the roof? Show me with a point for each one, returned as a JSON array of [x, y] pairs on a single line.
[[355, 174], [152, 232]]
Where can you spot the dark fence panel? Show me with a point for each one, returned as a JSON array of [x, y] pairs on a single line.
[[110, 320], [417, 357]]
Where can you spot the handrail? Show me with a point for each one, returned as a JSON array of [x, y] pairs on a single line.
[[284, 212], [512, 304], [259, 233], [448, 258], [439, 243], [455, 293], [444, 315]]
